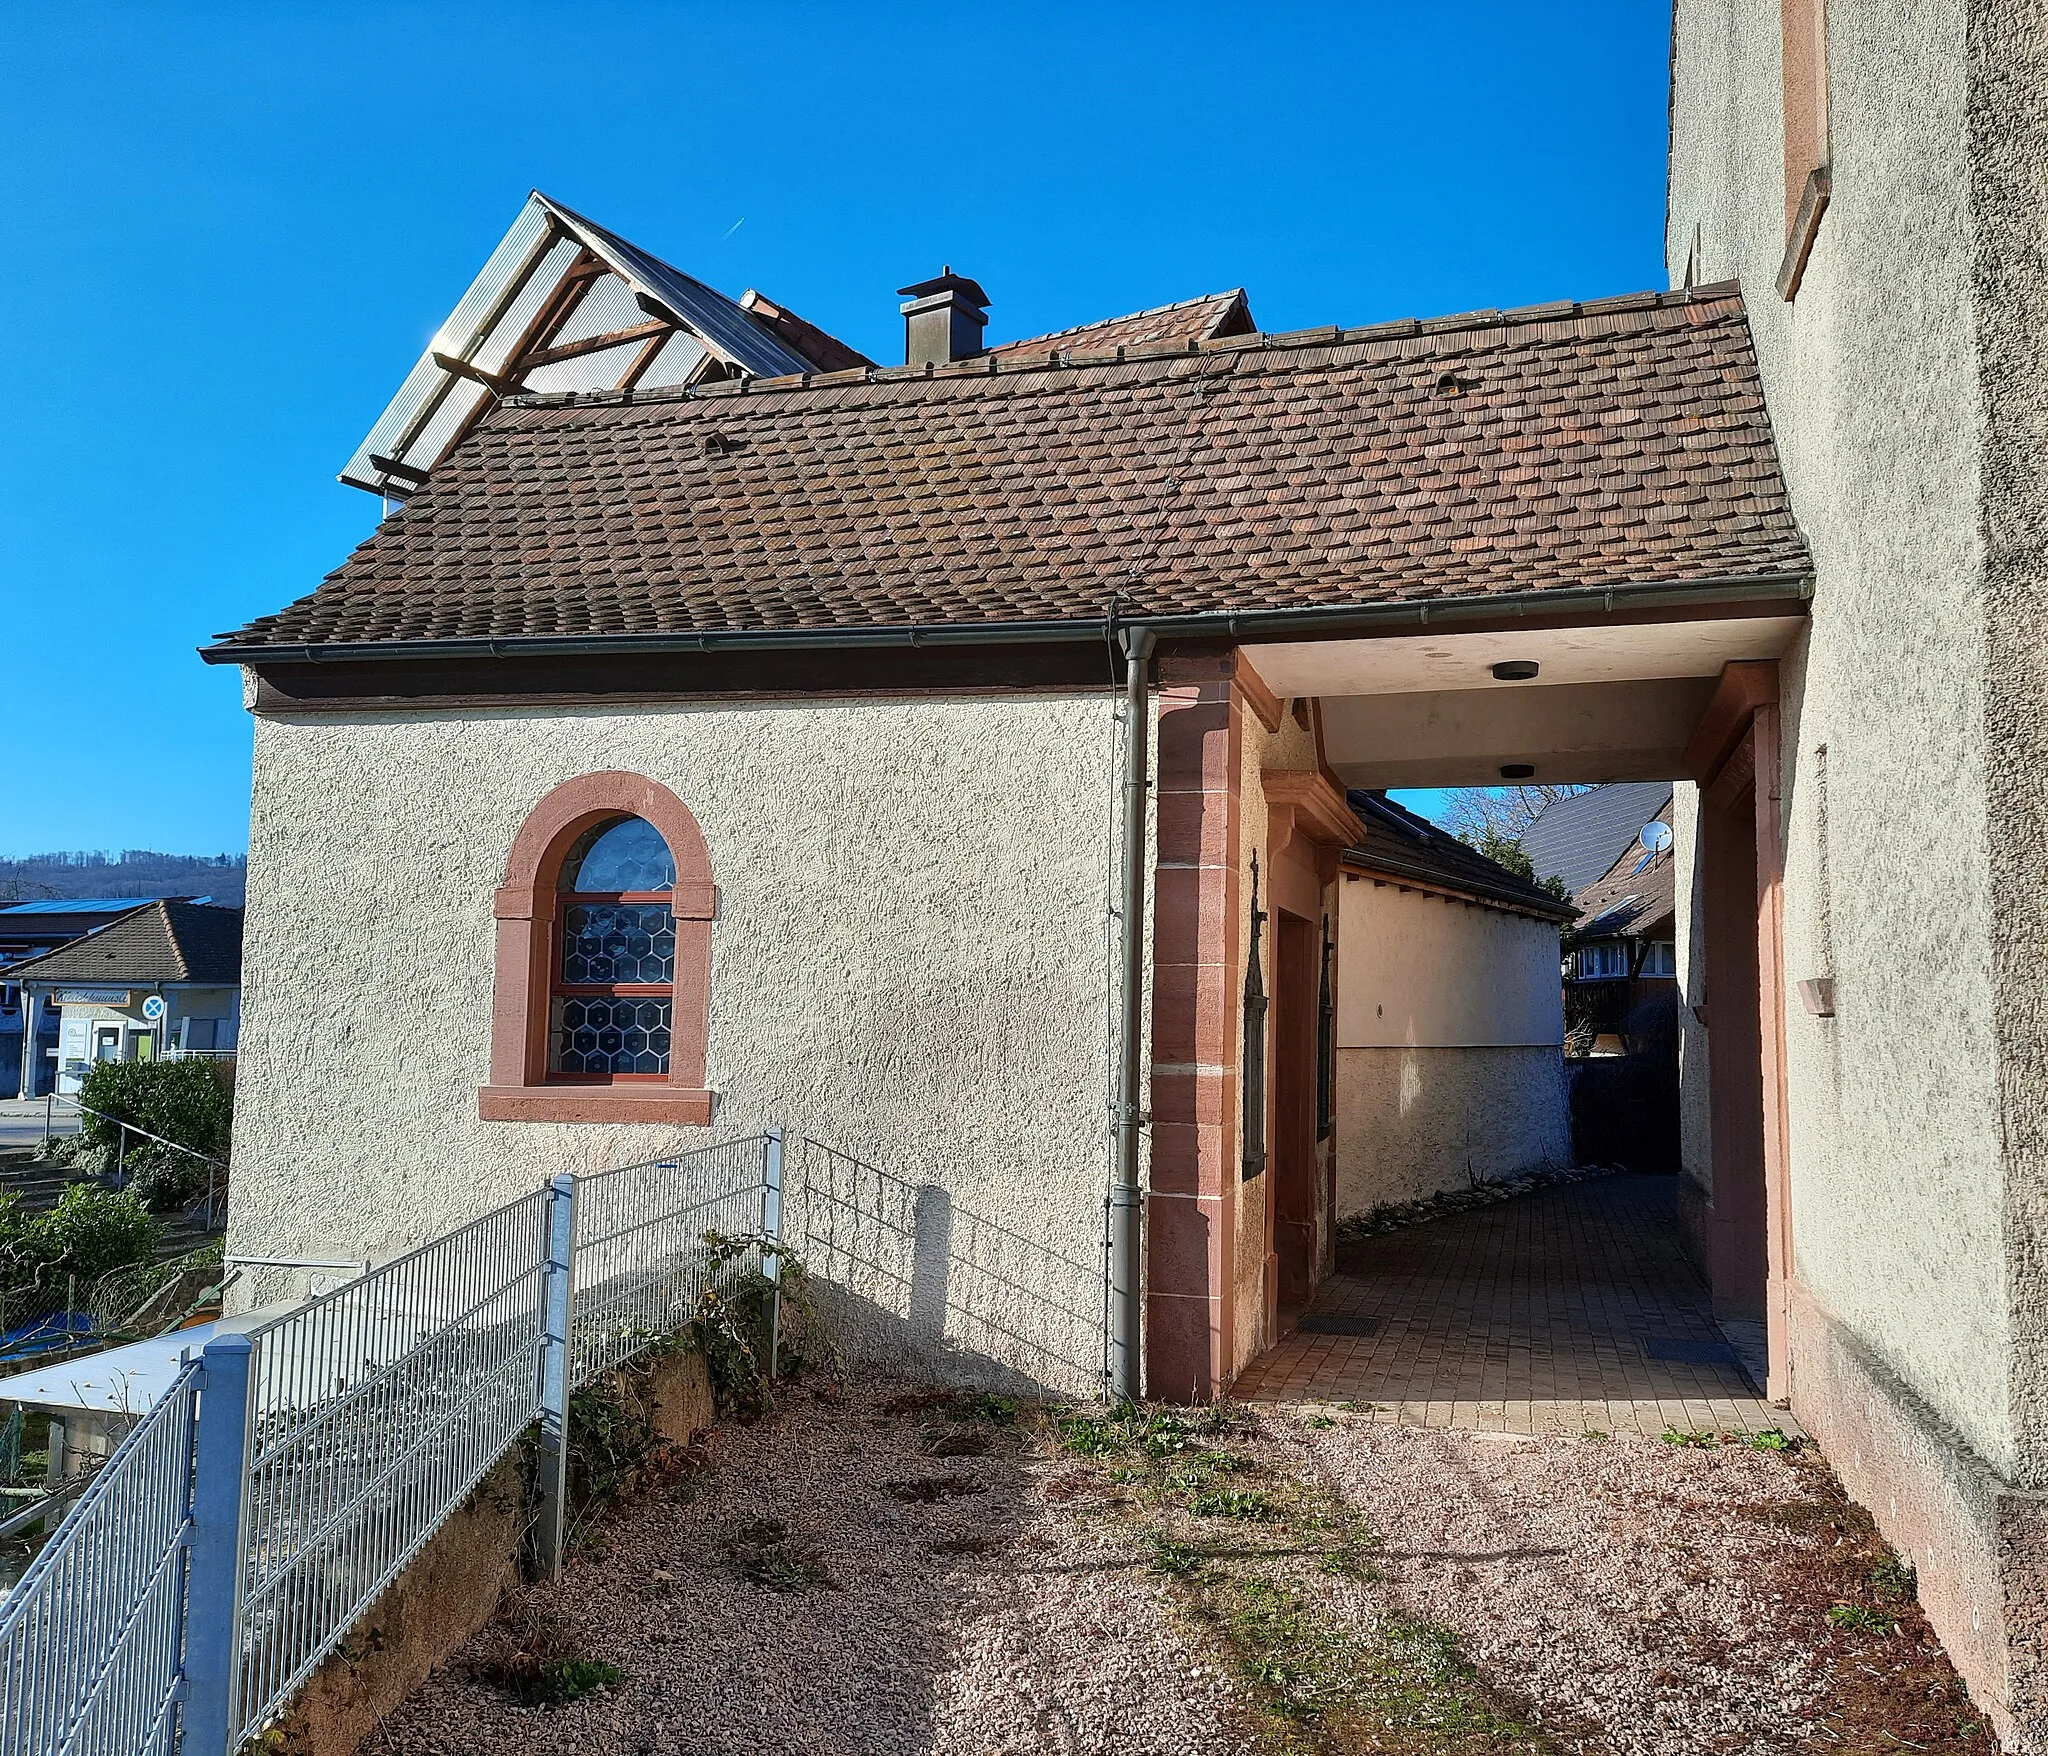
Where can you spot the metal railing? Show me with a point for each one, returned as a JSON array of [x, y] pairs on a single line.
[[209, 1211], [91, 1657], [372, 1412], [642, 1263], [287, 1478]]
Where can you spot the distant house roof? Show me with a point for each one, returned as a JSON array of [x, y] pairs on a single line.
[[1636, 898], [1580, 838], [1401, 846], [81, 905], [1180, 325], [1620, 444], [155, 942]]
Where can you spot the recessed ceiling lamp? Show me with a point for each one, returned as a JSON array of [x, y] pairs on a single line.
[[1514, 670], [1517, 770]]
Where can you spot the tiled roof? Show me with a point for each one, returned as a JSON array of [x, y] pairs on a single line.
[[1579, 838], [1398, 844], [1635, 896], [159, 942], [1165, 326], [1603, 445]]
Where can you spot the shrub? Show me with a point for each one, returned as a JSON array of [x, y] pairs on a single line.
[[189, 1102], [85, 1235]]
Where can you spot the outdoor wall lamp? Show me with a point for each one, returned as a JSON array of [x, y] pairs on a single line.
[[1515, 670]]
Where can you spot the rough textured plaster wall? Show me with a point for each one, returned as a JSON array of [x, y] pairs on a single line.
[[909, 963], [2008, 116], [1430, 971], [1412, 1122], [1874, 396], [1450, 1021]]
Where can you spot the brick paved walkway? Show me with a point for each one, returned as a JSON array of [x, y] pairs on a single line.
[[1558, 1312]]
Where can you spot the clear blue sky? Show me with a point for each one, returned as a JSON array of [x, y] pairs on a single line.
[[235, 226]]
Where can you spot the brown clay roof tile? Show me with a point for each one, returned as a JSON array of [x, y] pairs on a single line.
[[1625, 444]]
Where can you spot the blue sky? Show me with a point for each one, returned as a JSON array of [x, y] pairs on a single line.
[[234, 227]]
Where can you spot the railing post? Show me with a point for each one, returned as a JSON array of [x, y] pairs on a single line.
[[771, 1229], [557, 1303], [213, 1602]]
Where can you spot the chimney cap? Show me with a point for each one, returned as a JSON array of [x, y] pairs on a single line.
[[948, 282]]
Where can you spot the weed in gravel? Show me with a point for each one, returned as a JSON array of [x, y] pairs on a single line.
[[570, 1678], [999, 1411], [531, 1658], [765, 1552], [1246, 1504], [927, 1490], [1892, 1581], [1771, 1439], [1123, 1430], [1321, 1421], [1594, 1433], [1693, 1441], [1175, 1560], [1859, 1619], [952, 1441]]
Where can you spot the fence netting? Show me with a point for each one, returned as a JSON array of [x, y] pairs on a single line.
[[643, 1259]]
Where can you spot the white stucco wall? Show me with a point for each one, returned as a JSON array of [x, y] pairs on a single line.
[[913, 963], [1450, 1026], [1873, 383]]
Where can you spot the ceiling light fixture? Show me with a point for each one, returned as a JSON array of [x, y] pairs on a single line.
[[1517, 770], [1515, 670]]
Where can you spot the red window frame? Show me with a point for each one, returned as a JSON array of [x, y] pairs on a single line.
[[527, 909]]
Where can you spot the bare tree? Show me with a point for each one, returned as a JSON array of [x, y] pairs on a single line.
[[1498, 814]]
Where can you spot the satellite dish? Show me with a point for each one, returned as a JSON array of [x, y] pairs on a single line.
[[1656, 837]]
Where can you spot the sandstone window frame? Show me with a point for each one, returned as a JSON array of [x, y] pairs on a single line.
[[1809, 185], [526, 907]]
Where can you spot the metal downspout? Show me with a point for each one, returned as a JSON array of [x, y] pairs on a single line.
[[1126, 1211]]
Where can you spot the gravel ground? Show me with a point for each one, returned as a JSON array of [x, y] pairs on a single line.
[[1010, 1617], [1675, 1598], [868, 1572]]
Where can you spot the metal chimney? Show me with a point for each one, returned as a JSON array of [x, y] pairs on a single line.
[[943, 320]]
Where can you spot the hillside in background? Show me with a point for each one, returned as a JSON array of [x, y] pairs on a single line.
[[132, 872]]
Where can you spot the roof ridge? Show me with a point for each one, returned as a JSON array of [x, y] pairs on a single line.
[[994, 363], [1230, 293]]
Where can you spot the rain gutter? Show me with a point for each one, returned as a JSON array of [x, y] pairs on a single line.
[[1406, 616]]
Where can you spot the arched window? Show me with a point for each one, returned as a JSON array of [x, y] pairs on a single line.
[[612, 1005], [602, 1002]]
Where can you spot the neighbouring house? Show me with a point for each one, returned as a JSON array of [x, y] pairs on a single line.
[[1448, 1029], [1620, 981], [948, 762], [1620, 952], [163, 979], [1576, 839], [28, 929]]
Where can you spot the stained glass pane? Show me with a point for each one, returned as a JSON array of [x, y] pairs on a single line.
[[626, 855], [606, 943], [609, 1035]]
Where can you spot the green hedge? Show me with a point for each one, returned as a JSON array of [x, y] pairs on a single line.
[[190, 1102], [46, 1256]]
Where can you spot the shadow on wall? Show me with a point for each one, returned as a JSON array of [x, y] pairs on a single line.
[[913, 1282]]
